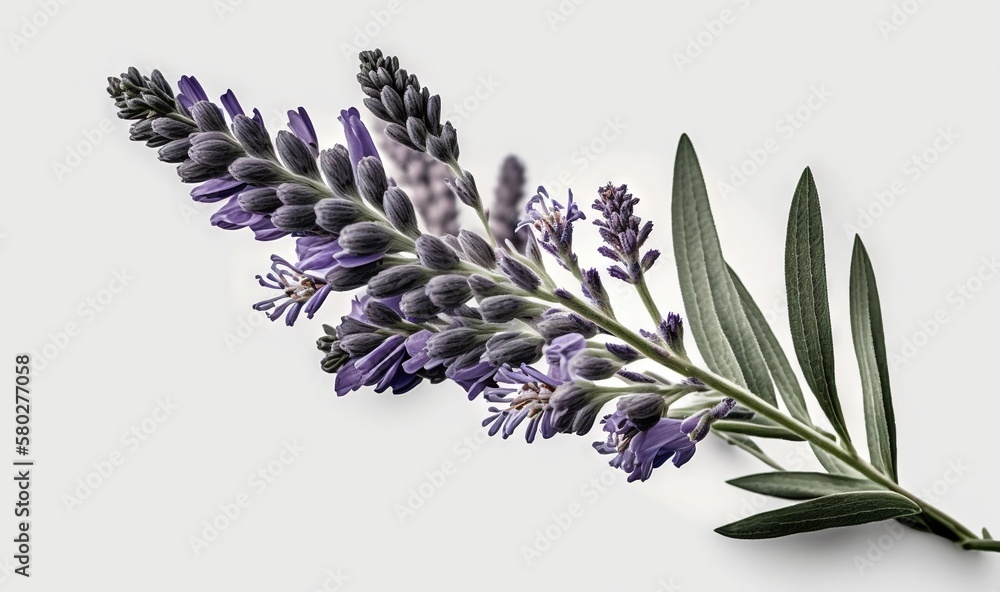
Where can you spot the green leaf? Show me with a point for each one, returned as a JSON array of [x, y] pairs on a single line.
[[869, 345], [782, 373], [981, 545], [830, 511], [801, 486], [758, 426], [808, 307], [714, 312]]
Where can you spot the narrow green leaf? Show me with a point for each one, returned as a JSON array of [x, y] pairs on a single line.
[[801, 486], [830, 511], [869, 345], [782, 373], [808, 306], [981, 545], [714, 312], [758, 427]]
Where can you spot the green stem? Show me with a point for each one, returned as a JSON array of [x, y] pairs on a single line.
[[647, 300], [754, 403]]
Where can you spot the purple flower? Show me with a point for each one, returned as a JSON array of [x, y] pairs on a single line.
[[526, 393], [624, 233], [299, 291], [553, 226], [384, 366], [559, 353], [638, 451], [233, 108], [359, 141], [191, 93], [302, 126]]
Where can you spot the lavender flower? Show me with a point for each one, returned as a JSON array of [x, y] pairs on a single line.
[[359, 141], [299, 291], [638, 451], [624, 234], [554, 226], [526, 391]]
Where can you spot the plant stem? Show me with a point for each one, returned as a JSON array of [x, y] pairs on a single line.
[[754, 403], [647, 299]]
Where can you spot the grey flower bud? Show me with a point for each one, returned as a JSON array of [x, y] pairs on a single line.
[[294, 218], [367, 238], [253, 137], [519, 273], [432, 115], [503, 308], [195, 172], [381, 314], [342, 278], [465, 189], [575, 407], [336, 165], [294, 194], [416, 304], [455, 341], [399, 211], [296, 155], [484, 287], [263, 200], [672, 331], [559, 323], [397, 280], [587, 366], [444, 147], [642, 410], [477, 249], [393, 104], [175, 150], [531, 249], [448, 291], [258, 171], [208, 117], [334, 214], [214, 149], [514, 348], [435, 254], [372, 181], [623, 352], [413, 102], [593, 288], [142, 131], [171, 128], [360, 344], [416, 131], [399, 135]]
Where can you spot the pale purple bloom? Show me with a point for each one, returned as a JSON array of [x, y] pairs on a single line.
[[302, 126], [191, 93], [553, 224], [359, 141], [299, 292]]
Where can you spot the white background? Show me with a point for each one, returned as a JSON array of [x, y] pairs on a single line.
[[561, 71]]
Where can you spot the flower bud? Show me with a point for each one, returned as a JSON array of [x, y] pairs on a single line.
[[294, 194], [296, 155], [208, 117], [339, 173], [367, 238], [343, 279], [397, 280], [504, 308], [416, 304], [435, 254], [399, 211], [588, 366], [371, 179], [381, 314], [557, 323], [519, 273], [334, 214], [477, 249], [484, 287], [175, 150], [465, 189], [253, 137], [455, 341], [644, 410], [623, 352], [263, 200], [294, 218], [448, 291], [258, 171], [514, 348]]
